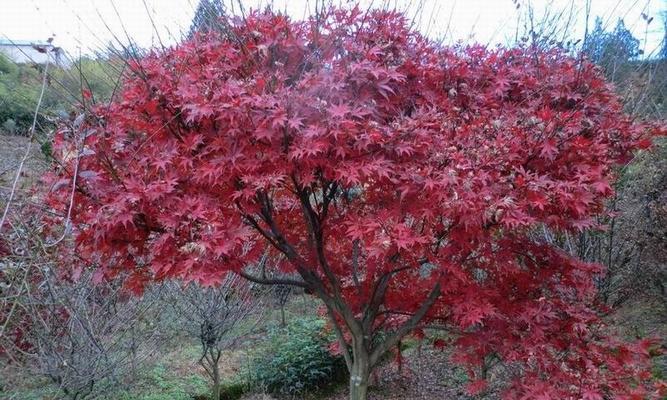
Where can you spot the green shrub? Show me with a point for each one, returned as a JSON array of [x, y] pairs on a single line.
[[233, 390], [7, 67], [9, 126], [18, 93], [296, 359], [21, 84]]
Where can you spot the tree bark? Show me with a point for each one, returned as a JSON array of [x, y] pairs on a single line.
[[215, 372], [360, 375], [216, 383]]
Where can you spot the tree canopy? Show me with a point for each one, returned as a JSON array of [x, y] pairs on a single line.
[[402, 183]]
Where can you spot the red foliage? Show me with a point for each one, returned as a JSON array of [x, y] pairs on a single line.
[[354, 144]]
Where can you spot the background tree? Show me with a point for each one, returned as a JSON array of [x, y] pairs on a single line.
[[629, 246], [208, 16], [282, 294], [618, 45], [218, 317], [87, 339], [400, 180], [614, 51]]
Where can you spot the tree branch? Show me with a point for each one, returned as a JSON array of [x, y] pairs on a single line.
[[408, 326], [341, 339], [272, 281], [377, 297]]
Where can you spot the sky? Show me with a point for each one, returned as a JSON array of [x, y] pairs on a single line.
[[87, 26]]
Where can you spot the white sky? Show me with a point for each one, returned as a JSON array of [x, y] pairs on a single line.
[[88, 25]]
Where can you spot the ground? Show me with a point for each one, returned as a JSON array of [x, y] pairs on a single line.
[[426, 372], [12, 149]]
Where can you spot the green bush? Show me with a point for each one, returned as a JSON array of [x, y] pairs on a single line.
[[21, 84], [9, 126], [7, 67], [18, 93], [233, 390], [296, 359]]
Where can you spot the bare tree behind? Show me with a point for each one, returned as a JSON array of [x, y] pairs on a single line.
[[218, 318], [88, 338]]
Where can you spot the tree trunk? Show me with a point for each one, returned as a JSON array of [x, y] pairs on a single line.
[[360, 375], [216, 386], [358, 391]]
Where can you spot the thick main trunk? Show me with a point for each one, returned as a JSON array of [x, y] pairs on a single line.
[[359, 376], [359, 391], [359, 382]]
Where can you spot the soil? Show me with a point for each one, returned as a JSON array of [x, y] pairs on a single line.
[[12, 150]]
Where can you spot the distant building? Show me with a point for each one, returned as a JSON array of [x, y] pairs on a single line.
[[24, 52]]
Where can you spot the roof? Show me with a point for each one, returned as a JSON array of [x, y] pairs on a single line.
[[6, 42]]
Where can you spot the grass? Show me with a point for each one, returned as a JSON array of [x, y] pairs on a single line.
[[174, 376], [39, 389], [163, 383], [157, 383]]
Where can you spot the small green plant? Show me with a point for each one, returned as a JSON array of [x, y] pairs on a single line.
[[47, 149], [296, 359], [9, 126]]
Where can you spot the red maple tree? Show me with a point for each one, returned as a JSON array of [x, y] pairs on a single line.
[[402, 183]]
